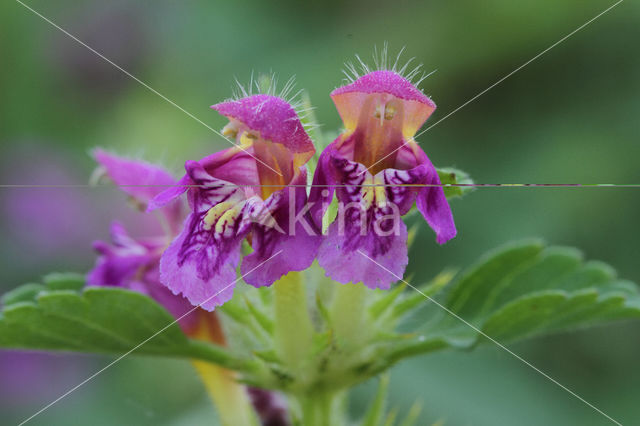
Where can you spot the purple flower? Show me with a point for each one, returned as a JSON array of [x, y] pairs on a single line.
[[365, 167], [133, 263], [254, 190]]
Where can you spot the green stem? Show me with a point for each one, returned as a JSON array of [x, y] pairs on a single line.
[[293, 328], [321, 409], [205, 351], [348, 314]]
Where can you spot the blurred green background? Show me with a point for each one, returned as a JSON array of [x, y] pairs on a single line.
[[569, 117]]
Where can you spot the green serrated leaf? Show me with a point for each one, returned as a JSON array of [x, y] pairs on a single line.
[[526, 315], [525, 290], [236, 311], [417, 346], [100, 320], [64, 281], [24, 293], [555, 264], [469, 296], [554, 311], [593, 273]]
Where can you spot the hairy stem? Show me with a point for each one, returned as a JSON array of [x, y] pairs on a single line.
[[348, 314], [322, 409], [293, 328]]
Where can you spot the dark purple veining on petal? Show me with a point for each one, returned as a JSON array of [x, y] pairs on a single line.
[[287, 230], [365, 223], [208, 243], [228, 200], [381, 112]]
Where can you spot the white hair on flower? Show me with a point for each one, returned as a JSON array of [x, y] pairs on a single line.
[[381, 61], [267, 84]]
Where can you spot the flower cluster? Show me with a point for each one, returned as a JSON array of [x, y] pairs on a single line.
[[130, 262], [256, 192]]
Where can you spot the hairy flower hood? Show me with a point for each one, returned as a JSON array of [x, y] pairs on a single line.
[[386, 97]]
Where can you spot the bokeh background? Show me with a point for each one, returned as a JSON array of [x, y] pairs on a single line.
[[569, 117]]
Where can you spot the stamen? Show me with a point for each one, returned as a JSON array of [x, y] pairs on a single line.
[[247, 138], [384, 112], [389, 113], [220, 215], [227, 218], [214, 213], [230, 130], [377, 113], [373, 190]]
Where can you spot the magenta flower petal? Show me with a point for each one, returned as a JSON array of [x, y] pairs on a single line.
[[201, 262], [294, 242], [433, 205], [169, 194], [377, 171], [347, 256], [369, 224], [202, 271], [119, 262], [141, 180], [232, 165], [323, 186]]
